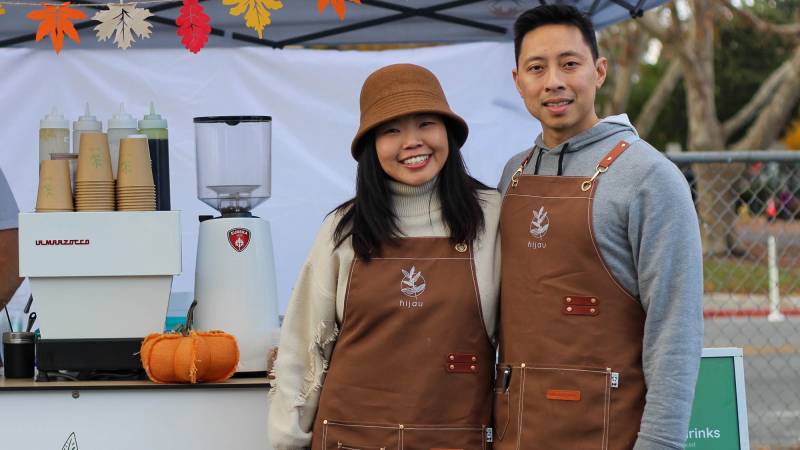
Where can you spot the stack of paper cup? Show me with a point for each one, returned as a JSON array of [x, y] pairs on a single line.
[[73, 163], [94, 187], [135, 188], [55, 188]]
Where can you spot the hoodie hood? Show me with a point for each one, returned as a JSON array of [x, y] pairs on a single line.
[[609, 126]]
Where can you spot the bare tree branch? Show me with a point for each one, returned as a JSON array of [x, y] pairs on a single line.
[[773, 117], [674, 18], [790, 31], [657, 100], [757, 102], [630, 44], [675, 42], [650, 24]]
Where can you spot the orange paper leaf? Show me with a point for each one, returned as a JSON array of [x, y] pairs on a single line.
[[56, 21], [338, 6]]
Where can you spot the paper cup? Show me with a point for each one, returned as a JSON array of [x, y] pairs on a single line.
[[94, 159], [134, 163], [55, 191]]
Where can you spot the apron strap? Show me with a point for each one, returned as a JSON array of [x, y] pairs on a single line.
[[613, 154], [521, 168], [605, 163]]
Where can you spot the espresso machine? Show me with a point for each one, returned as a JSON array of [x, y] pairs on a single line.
[[235, 272], [101, 282]]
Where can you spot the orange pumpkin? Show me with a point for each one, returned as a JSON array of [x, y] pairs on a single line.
[[190, 358]]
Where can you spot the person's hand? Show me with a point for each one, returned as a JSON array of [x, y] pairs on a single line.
[[272, 355]]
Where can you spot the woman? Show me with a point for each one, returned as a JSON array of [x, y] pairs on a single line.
[[403, 279]]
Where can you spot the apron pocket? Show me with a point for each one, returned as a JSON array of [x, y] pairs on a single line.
[[502, 400], [359, 436], [565, 407], [451, 437]]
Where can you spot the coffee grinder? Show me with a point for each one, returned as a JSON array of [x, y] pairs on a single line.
[[235, 273]]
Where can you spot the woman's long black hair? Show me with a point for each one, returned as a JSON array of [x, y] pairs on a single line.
[[370, 219]]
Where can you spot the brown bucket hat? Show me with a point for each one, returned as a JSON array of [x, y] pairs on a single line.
[[400, 89]]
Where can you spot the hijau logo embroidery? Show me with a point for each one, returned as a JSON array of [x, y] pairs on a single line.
[[540, 223], [412, 286]]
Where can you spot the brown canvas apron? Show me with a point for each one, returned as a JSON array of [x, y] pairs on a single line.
[[413, 365], [570, 371]]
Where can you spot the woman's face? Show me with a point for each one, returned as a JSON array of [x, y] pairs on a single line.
[[412, 149]]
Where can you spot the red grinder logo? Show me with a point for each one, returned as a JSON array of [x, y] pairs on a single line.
[[239, 238]]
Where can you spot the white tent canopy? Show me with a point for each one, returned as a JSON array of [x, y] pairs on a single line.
[[299, 22], [311, 94]]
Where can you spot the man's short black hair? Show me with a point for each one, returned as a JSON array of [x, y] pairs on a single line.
[[554, 15]]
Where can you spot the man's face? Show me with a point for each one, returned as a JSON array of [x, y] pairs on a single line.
[[558, 80]]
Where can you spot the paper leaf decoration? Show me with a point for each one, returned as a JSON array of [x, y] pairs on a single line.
[[193, 26], [257, 15], [124, 20], [56, 21], [2, 11], [338, 6]]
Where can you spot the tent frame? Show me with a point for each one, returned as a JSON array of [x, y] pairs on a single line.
[[433, 12]]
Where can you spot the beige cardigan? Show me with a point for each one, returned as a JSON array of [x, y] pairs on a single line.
[[315, 309]]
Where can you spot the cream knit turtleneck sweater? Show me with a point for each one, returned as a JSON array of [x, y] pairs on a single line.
[[315, 309]]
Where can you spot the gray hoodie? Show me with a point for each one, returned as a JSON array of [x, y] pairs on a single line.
[[646, 227]]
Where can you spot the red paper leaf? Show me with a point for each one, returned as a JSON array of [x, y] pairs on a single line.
[[56, 21], [338, 6], [193, 26]]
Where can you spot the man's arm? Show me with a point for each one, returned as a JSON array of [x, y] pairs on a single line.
[[665, 239], [9, 265]]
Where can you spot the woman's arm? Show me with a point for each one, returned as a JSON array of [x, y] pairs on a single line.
[[307, 336]]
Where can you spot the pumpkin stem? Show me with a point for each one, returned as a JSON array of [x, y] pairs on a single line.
[[184, 330]]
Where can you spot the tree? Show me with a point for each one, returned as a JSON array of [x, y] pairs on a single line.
[[690, 45]]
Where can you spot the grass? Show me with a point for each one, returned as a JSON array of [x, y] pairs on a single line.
[[740, 276]]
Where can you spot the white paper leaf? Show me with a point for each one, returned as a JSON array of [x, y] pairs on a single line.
[[71, 444], [125, 20]]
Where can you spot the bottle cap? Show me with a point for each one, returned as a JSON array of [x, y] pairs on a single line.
[[54, 120], [122, 119], [152, 120], [87, 122]]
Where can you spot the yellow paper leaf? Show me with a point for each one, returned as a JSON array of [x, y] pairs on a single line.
[[257, 12], [2, 11], [125, 20]]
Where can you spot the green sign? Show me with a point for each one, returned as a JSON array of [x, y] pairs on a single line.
[[719, 420]]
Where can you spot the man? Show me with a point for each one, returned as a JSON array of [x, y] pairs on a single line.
[[601, 296], [9, 245]]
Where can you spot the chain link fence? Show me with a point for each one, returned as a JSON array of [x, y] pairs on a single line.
[[749, 209]]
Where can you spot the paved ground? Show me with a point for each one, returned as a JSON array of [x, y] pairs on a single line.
[[772, 375]]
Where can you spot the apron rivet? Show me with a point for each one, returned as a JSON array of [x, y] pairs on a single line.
[[452, 357], [472, 368], [594, 300], [325, 422], [401, 427], [522, 365], [569, 308], [474, 359], [592, 310], [569, 299], [461, 248], [452, 367]]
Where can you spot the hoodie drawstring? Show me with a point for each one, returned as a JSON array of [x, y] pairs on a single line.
[[560, 161], [538, 162]]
